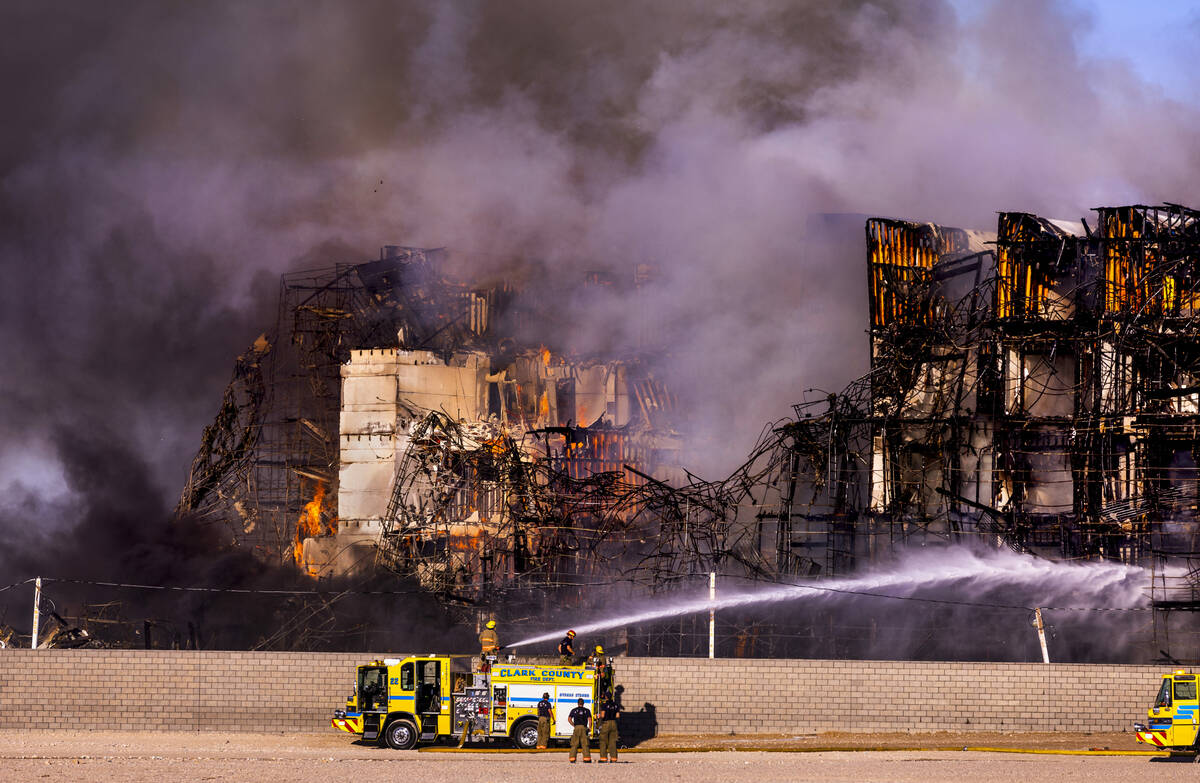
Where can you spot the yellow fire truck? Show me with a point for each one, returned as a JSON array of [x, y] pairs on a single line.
[[427, 698], [1171, 722]]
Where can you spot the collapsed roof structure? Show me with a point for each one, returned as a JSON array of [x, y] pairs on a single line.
[[1037, 389], [392, 418]]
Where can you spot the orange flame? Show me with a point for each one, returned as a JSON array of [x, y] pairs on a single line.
[[545, 356], [495, 445], [309, 523], [464, 538], [463, 543]]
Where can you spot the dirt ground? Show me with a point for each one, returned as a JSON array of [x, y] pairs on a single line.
[[941, 740], [341, 745], [173, 757]]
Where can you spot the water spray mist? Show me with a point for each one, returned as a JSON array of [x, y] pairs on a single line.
[[957, 573]]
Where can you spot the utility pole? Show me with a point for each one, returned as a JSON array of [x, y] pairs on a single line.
[[712, 614], [37, 602], [1041, 629]]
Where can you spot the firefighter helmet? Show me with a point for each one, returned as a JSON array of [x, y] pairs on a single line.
[[571, 633], [491, 624], [599, 650]]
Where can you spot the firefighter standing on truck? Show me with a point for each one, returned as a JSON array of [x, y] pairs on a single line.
[[545, 713], [489, 645], [581, 719], [609, 713], [566, 649], [603, 673]]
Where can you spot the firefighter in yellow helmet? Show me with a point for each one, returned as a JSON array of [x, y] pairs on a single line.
[[603, 673], [489, 646]]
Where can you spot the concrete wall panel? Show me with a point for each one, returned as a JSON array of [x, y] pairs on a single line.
[[185, 690]]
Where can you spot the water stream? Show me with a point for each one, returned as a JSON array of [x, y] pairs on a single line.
[[947, 575]]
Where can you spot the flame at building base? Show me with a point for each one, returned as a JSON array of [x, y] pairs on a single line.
[[311, 524]]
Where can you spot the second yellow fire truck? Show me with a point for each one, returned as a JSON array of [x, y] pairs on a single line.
[[1171, 724], [426, 698]]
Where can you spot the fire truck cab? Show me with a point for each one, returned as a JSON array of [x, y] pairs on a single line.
[[423, 699], [1171, 722]]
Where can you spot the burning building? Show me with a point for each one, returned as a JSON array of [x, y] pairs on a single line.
[[1035, 388], [1041, 392], [393, 419], [470, 475], [1032, 389]]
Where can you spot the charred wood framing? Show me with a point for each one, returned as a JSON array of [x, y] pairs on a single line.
[[1036, 388], [1051, 404]]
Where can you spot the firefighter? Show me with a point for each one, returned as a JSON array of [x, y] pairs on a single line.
[[489, 640], [489, 645], [581, 719], [603, 673], [545, 713], [609, 714], [566, 649]]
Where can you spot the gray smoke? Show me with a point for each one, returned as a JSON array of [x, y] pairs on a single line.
[[162, 162]]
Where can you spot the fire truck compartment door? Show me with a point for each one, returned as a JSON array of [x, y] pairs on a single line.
[[566, 698], [1183, 725], [525, 697]]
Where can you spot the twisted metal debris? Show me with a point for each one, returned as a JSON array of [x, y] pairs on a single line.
[[1036, 388]]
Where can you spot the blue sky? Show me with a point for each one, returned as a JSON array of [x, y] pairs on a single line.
[[1160, 39]]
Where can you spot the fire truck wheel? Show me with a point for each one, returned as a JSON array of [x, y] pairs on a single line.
[[525, 734], [400, 734]]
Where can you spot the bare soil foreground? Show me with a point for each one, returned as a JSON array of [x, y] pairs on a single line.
[[175, 757]]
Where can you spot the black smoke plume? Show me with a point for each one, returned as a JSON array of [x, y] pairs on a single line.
[[161, 163]]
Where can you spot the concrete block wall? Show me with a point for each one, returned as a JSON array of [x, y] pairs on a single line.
[[173, 689], [245, 691], [806, 696]]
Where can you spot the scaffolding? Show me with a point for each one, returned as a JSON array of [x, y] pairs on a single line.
[[476, 508], [1037, 389], [272, 449]]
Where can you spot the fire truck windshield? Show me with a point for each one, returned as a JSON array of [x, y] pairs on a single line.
[[371, 688]]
